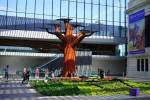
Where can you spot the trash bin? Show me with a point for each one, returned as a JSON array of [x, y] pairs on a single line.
[[134, 91]]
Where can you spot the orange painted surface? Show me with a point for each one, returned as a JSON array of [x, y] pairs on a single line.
[[69, 53], [69, 61]]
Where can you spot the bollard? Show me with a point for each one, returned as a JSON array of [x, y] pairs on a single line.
[[134, 91]]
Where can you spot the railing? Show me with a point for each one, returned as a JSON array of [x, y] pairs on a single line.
[[39, 35], [55, 58], [27, 54]]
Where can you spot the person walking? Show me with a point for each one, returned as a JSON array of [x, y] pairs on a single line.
[[27, 75], [24, 75], [6, 72]]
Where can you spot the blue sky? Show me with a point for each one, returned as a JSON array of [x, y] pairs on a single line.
[[64, 10]]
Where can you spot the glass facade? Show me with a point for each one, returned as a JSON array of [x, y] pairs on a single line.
[[105, 16]]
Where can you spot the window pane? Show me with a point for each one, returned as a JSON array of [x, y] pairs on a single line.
[[109, 13], [48, 7], [64, 9], [110, 2], [20, 21], [116, 14], [39, 6], [11, 5], [116, 3], [21, 5], [146, 65], [73, 9], [30, 6], [103, 2], [30, 21], [95, 1], [2, 13], [138, 64], [88, 1], [142, 64], [95, 12], [122, 15], [88, 11], [103, 13], [3, 4], [80, 13], [56, 7], [122, 3]]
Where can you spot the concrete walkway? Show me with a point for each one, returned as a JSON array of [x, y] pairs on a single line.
[[14, 90]]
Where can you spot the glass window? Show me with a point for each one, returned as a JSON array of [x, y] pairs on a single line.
[[123, 30], [39, 6], [116, 3], [3, 5], [88, 11], [110, 3], [123, 3], [95, 1], [80, 10], [12, 5], [48, 7], [146, 65], [102, 28], [80, 20], [20, 21], [87, 21], [103, 2], [56, 7], [116, 14], [73, 9], [30, 6], [64, 9], [21, 5], [142, 64], [30, 22], [11, 14], [147, 31], [87, 1], [95, 12], [103, 13], [39, 21], [2, 13], [109, 13], [138, 64], [20, 14], [122, 15]]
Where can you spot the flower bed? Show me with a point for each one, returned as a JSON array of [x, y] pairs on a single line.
[[79, 87]]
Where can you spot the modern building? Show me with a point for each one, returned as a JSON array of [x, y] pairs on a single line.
[[138, 59], [24, 42]]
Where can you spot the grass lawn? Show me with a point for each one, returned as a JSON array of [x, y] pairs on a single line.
[[96, 87]]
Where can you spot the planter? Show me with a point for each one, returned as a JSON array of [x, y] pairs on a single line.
[[134, 91]]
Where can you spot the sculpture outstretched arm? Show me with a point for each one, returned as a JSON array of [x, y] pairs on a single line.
[[58, 34], [80, 36]]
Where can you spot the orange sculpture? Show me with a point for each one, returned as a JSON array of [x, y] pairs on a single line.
[[70, 42]]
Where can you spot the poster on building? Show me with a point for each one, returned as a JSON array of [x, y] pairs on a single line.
[[136, 38]]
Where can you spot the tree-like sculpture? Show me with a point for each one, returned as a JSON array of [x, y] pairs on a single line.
[[70, 42]]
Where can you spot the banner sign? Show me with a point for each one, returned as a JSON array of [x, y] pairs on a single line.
[[136, 38]]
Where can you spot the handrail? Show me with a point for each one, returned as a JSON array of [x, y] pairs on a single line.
[[56, 57]]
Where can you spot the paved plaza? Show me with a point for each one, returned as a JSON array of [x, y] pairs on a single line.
[[14, 90]]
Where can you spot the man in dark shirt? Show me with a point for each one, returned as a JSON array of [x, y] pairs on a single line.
[[6, 72]]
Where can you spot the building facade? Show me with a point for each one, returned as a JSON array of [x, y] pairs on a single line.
[[138, 60], [22, 34]]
